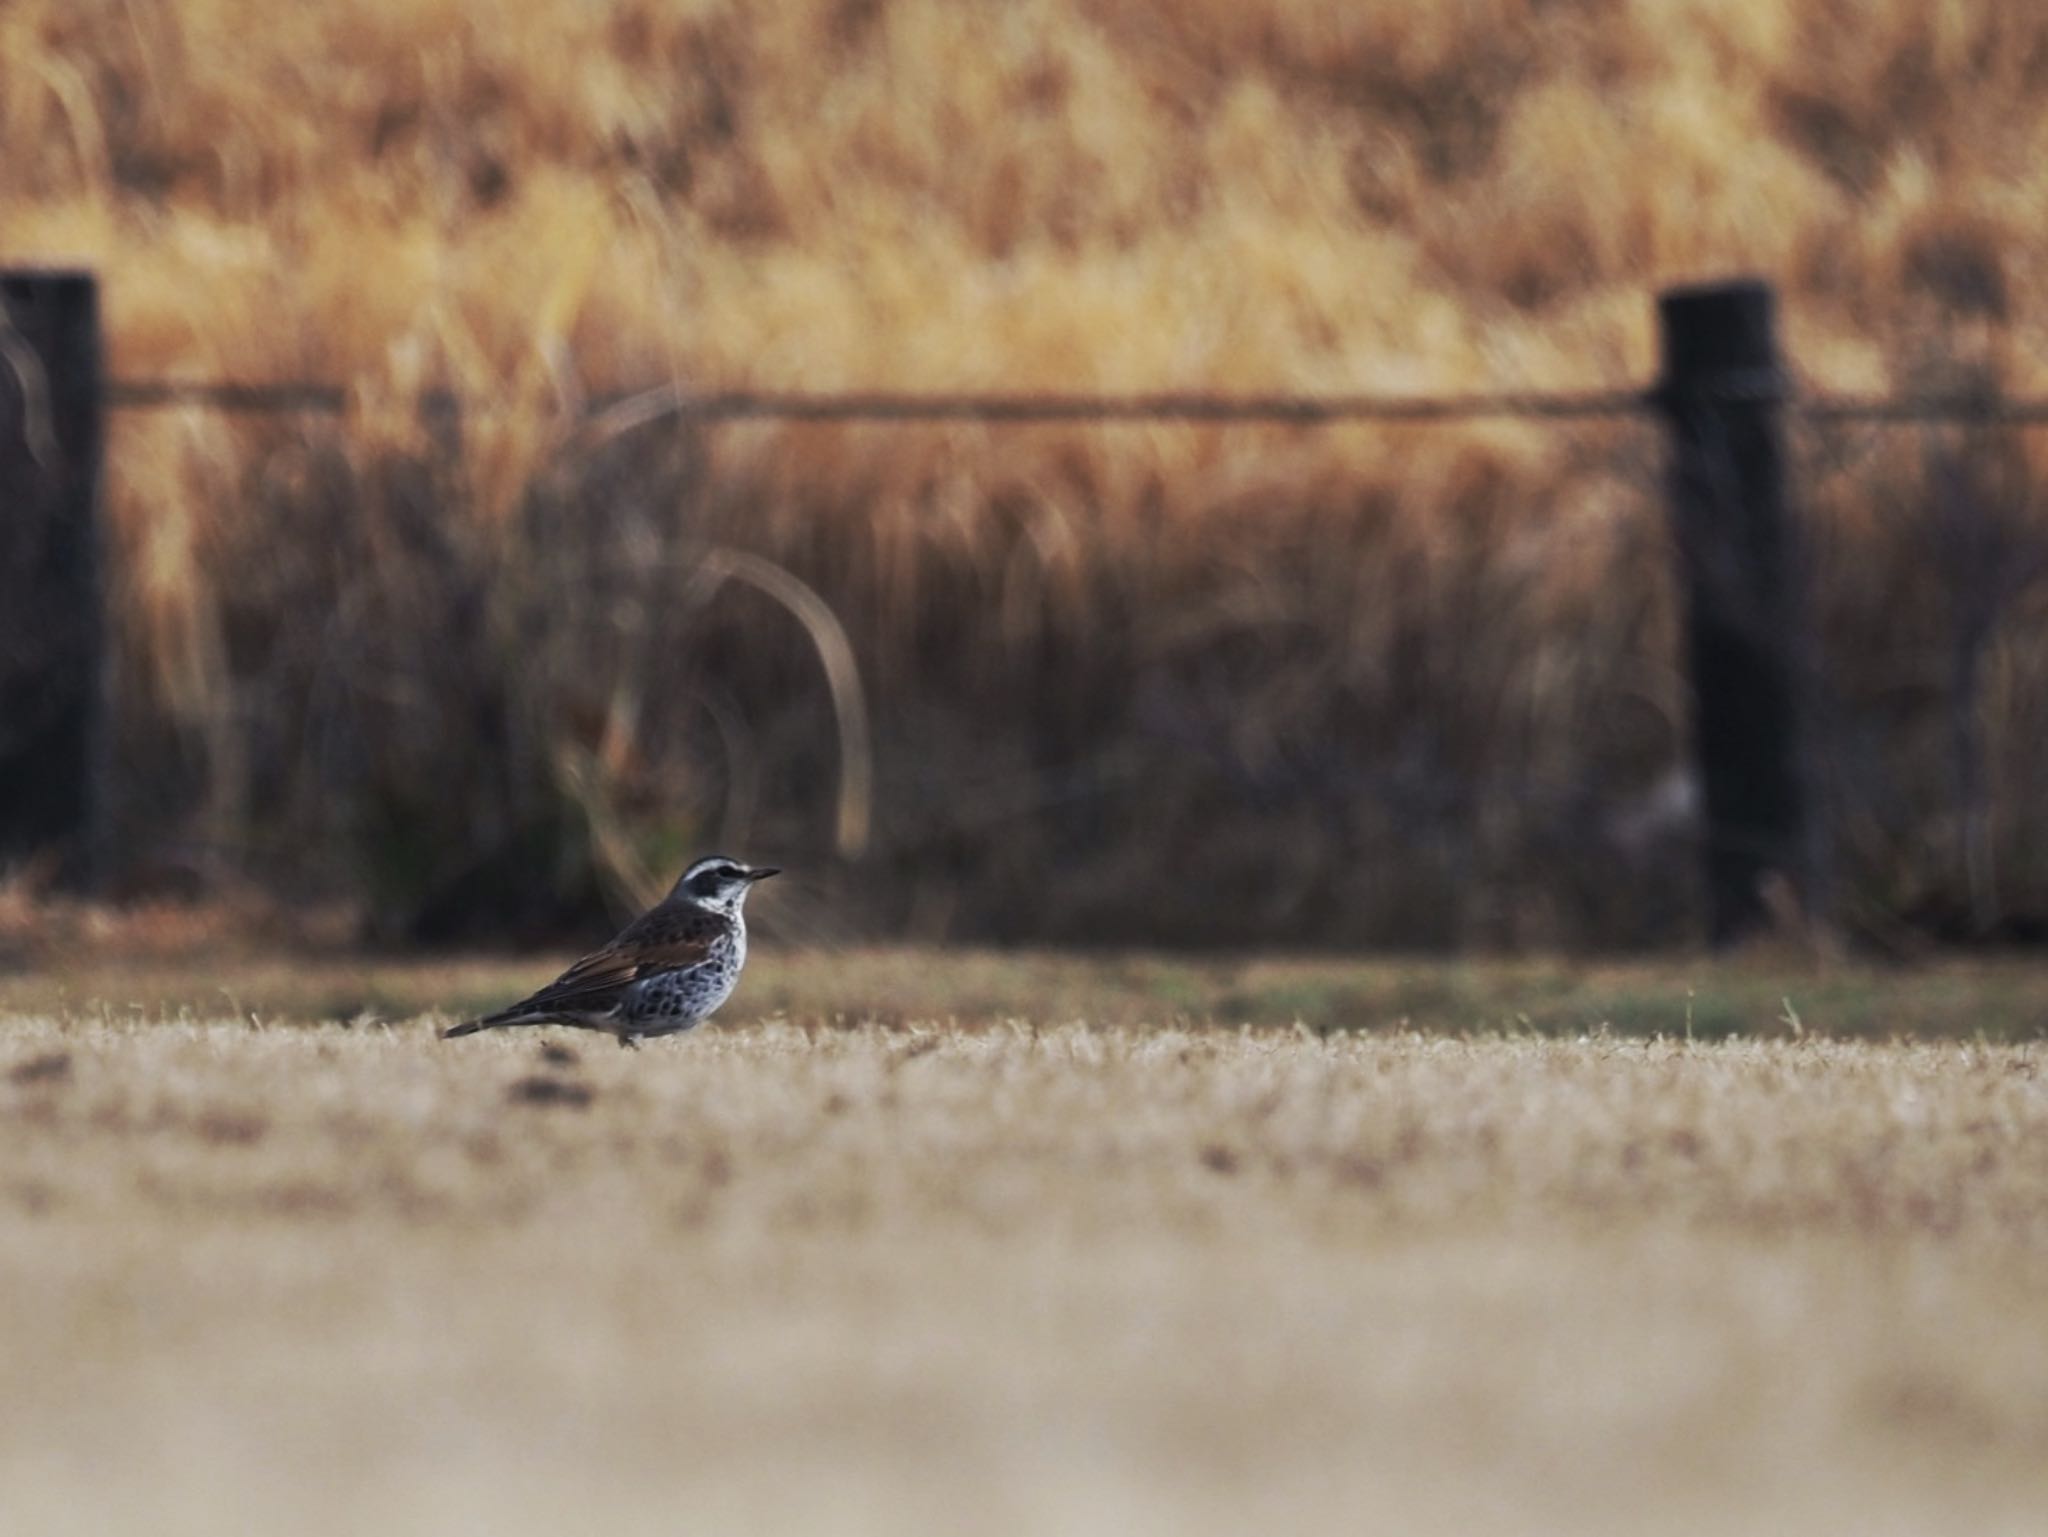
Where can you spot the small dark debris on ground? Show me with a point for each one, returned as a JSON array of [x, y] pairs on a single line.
[[50, 1067], [233, 1128], [557, 1056], [543, 1090]]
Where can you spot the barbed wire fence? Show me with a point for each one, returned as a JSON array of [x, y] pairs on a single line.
[[1724, 398], [666, 402]]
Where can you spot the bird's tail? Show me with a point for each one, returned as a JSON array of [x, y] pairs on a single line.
[[494, 1022]]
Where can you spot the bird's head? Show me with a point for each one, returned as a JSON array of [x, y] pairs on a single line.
[[720, 883]]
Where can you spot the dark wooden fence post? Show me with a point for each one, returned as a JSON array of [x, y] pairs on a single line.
[[52, 610], [1743, 574]]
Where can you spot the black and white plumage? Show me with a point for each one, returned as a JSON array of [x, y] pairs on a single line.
[[668, 970]]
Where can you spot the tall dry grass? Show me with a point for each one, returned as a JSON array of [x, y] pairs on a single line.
[[1411, 685]]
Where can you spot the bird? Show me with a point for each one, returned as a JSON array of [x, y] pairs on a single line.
[[668, 970]]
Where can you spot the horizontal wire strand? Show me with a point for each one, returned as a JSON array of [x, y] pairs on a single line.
[[309, 398]]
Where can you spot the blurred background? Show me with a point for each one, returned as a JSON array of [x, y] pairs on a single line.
[[490, 670]]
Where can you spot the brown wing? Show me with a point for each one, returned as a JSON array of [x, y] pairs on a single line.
[[662, 939]]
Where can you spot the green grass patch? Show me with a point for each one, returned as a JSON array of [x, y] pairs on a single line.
[[1707, 998]]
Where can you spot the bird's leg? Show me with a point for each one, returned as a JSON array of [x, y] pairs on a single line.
[[627, 1042]]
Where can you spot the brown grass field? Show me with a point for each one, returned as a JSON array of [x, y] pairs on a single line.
[[930, 1240], [843, 1262], [1429, 673]]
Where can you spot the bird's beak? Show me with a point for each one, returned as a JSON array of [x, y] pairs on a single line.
[[762, 872]]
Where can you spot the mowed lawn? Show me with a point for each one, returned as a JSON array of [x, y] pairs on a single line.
[[919, 1243]]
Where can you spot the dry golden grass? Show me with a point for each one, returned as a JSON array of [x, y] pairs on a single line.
[[1004, 1272], [914, 193], [531, 199]]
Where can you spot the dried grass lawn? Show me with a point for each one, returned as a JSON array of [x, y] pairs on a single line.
[[976, 1272]]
